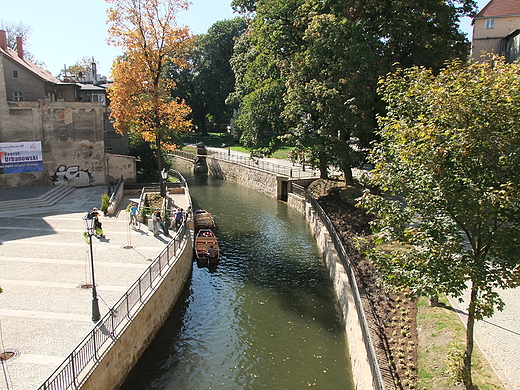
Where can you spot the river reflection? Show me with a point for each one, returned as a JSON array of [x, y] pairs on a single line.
[[265, 318]]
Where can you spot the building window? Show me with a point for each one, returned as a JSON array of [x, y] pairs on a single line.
[[490, 23], [98, 98], [15, 74], [17, 97]]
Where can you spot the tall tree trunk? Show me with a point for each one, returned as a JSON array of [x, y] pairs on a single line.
[[349, 178], [323, 162], [160, 164], [467, 379], [158, 153], [344, 151]]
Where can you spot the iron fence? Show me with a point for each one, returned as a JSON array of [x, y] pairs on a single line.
[[293, 172], [345, 261]]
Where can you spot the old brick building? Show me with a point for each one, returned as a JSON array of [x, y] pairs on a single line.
[[38, 108]]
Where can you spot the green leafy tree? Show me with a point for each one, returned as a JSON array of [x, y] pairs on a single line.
[[207, 82], [213, 67], [276, 53], [413, 32], [331, 92], [449, 152], [261, 62]]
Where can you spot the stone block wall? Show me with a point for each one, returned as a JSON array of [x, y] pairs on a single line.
[[116, 363], [260, 181], [361, 370]]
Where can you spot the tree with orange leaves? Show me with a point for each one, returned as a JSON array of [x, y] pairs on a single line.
[[140, 96]]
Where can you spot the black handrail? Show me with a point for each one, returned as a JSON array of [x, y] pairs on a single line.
[[377, 378]]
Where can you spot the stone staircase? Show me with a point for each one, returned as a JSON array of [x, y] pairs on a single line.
[[50, 198]]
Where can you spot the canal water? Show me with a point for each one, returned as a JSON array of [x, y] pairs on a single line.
[[264, 318]]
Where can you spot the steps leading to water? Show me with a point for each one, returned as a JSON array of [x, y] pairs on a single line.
[[50, 198]]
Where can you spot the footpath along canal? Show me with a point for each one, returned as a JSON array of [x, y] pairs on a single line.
[[264, 318]]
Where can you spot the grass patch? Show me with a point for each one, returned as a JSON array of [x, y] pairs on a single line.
[[440, 328], [283, 153], [224, 140]]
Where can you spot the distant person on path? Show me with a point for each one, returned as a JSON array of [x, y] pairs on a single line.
[[157, 221], [133, 215], [179, 216], [98, 226]]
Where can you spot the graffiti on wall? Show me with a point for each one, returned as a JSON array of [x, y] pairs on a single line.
[[72, 174]]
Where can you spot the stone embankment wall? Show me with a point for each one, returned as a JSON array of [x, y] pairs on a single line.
[[361, 370], [116, 363], [256, 179]]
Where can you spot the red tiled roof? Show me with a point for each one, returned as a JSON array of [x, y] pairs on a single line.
[[497, 8], [46, 76]]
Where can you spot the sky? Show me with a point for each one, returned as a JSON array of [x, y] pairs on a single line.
[[64, 31]]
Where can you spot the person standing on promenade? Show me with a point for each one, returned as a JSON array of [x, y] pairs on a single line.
[[133, 216], [179, 216]]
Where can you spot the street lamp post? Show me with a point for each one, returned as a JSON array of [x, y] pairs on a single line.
[[229, 141], [164, 176], [89, 225]]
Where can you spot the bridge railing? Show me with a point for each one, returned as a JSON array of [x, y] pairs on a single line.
[[377, 379], [293, 172], [80, 363]]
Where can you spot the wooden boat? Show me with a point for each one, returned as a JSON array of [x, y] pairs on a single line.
[[203, 220], [206, 247]]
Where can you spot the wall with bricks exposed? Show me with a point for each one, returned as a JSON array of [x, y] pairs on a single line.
[[71, 134]]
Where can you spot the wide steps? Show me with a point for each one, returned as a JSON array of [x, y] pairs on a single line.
[[50, 198]]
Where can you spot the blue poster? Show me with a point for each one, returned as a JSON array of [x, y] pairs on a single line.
[[21, 157]]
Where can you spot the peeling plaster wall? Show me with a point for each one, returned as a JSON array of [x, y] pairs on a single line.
[[72, 141]]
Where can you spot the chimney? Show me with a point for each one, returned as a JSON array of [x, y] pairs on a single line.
[[19, 46], [3, 39], [94, 71]]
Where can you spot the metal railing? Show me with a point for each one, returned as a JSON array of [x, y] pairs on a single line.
[[293, 172], [82, 361], [345, 261]]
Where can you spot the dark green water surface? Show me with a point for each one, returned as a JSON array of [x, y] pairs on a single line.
[[265, 318]]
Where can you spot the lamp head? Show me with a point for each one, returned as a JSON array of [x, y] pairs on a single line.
[[89, 222]]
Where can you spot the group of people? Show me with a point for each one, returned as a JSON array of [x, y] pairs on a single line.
[[178, 216]]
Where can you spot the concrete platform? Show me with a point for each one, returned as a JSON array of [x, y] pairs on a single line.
[[45, 307]]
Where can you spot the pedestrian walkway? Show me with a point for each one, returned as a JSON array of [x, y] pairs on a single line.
[[498, 337], [45, 274]]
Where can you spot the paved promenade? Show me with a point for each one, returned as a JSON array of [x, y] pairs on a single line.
[[499, 337], [45, 309]]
